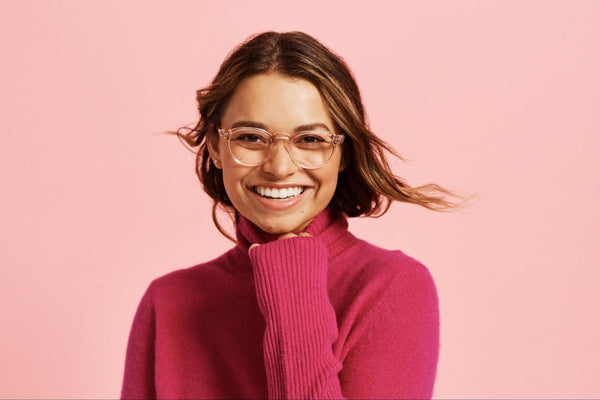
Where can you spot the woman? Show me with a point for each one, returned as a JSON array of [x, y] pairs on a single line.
[[299, 308]]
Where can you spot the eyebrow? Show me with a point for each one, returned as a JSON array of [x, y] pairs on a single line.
[[306, 127]]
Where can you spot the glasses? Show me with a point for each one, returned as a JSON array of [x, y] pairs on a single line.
[[309, 149]]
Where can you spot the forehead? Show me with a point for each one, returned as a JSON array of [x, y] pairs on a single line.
[[278, 101]]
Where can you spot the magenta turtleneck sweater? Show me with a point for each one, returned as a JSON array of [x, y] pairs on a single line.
[[326, 316]]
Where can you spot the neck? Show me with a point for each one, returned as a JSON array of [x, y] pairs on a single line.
[[329, 226]]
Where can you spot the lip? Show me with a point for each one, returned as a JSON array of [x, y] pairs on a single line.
[[278, 205]]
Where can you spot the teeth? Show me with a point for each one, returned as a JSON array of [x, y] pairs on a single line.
[[278, 193]]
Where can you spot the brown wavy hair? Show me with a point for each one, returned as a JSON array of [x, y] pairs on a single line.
[[367, 185]]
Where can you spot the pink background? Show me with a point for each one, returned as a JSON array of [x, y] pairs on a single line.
[[501, 98]]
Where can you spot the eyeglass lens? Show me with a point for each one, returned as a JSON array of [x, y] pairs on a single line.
[[310, 149]]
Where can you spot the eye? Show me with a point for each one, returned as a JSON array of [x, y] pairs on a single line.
[[311, 139], [250, 138]]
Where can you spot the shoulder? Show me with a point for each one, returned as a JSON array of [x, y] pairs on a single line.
[[386, 291], [184, 284], [410, 281], [410, 300], [370, 262], [383, 277], [391, 285]]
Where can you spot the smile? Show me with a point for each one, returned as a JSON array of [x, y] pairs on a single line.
[[274, 193]]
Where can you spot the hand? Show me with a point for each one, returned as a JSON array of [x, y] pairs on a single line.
[[284, 236]]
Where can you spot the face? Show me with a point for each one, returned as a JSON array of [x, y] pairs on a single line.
[[279, 104]]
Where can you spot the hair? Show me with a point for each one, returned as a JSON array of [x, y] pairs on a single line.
[[367, 185]]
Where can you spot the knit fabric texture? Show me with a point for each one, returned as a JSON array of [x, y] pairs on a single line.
[[328, 316]]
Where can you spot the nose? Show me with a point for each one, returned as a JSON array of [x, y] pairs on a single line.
[[279, 162]]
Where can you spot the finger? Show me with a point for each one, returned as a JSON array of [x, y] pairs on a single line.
[[253, 245], [287, 235], [304, 234]]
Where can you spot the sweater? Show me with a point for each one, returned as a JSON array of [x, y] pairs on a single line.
[[325, 316]]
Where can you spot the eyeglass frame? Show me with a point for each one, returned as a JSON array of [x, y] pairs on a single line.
[[227, 132]]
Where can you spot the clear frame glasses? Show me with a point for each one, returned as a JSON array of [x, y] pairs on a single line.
[[249, 146]]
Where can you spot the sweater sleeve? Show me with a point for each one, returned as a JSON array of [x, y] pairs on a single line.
[[290, 278], [395, 353], [138, 378]]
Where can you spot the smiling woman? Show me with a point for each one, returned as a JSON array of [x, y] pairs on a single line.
[[279, 104], [299, 307]]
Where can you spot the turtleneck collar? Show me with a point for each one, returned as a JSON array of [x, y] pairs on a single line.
[[329, 225]]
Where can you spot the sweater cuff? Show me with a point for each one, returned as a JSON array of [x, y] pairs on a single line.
[[291, 276], [301, 327]]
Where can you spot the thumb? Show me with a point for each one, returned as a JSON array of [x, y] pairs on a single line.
[[253, 245]]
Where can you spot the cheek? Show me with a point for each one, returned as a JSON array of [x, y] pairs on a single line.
[[233, 181], [332, 186], [328, 182], [229, 180]]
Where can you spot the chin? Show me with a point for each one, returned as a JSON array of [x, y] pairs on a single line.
[[282, 227], [276, 229]]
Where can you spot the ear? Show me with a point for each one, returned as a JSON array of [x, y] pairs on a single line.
[[212, 144]]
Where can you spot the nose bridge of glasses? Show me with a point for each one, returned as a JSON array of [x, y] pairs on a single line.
[[285, 141], [278, 159], [280, 136], [273, 152]]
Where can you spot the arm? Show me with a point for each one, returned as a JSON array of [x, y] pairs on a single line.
[[301, 328], [138, 378], [395, 354]]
